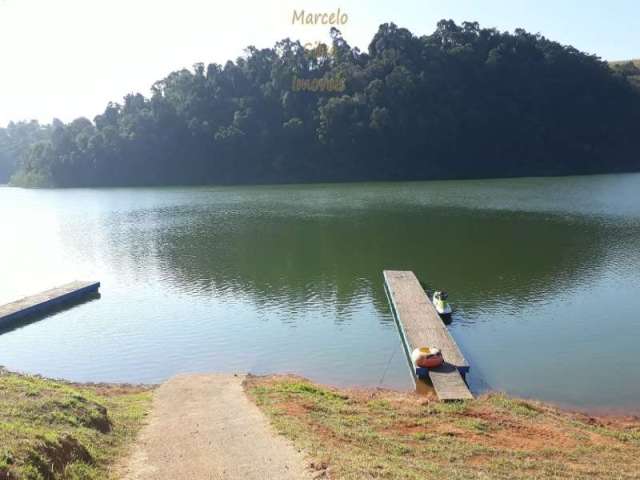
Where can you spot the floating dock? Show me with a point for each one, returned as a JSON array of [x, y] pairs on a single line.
[[421, 326], [43, 303]]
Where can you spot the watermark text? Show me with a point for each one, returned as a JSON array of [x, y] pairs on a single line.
[[307, 18], [333, 84]]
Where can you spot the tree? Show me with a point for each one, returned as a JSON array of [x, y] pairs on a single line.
[[463, 102]]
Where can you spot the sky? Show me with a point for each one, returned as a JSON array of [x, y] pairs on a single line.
[[68, 58]]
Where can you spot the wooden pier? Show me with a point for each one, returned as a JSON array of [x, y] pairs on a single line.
[[421, 326], [44, 302]]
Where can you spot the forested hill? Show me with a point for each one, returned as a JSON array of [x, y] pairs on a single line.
[[463, 102]]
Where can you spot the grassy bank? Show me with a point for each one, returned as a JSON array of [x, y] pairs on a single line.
[[378, 434], [56, 430]]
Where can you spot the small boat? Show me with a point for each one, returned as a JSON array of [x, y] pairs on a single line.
[[427, 357], [442, 305]]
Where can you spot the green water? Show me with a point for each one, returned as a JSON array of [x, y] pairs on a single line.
[[544, 275]]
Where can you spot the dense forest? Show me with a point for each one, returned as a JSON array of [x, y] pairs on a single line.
[[463, 102]]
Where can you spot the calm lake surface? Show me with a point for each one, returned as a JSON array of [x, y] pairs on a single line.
[[544, 274]]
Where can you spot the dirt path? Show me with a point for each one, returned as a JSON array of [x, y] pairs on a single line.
[[203, 427]]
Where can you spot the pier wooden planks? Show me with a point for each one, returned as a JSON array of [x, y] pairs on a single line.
[[421, 326], [43, 302]]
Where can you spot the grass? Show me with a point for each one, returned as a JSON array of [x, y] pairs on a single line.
[[391, 435], [57, 430]]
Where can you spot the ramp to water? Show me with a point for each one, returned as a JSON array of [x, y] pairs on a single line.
[[420, 326], [44, 302]]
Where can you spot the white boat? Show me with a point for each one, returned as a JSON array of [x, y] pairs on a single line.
[[441, 303]]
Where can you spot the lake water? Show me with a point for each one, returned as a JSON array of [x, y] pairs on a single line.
[[544, 274]]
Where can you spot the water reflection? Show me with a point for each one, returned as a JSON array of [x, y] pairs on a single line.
[[28, 319], [487, 259]]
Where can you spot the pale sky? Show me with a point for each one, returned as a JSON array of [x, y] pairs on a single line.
[[68, 58]]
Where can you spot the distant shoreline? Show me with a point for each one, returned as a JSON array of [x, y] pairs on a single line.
[[320, 182]]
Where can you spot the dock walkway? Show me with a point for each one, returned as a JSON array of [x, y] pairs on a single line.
[[43, 302], [421, 326]]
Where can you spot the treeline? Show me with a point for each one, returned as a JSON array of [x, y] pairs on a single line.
[[629, 69], [462, 102], [15, 143]]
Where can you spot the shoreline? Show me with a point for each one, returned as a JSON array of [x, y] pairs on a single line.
[[324, 182], [386, 434], [600, 412], [342, 432], [595, 411]]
